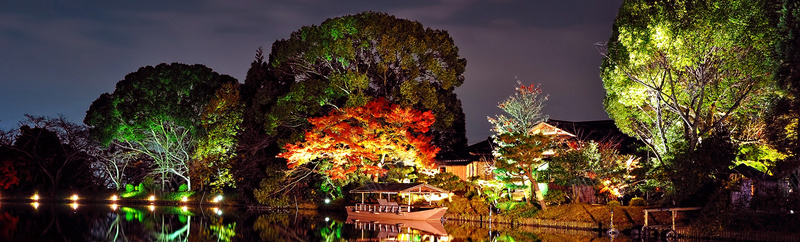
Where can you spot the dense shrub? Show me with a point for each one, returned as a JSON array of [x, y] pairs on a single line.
[[637, 201], [555, 197], [523, 210], [463, 205], [613, 204]]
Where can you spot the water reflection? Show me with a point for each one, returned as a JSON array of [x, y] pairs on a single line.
[[113, 222]]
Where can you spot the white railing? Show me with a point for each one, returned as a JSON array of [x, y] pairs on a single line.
[[382, 208]]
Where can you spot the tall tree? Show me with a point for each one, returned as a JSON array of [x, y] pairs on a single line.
[[783, 125], [346, 61], [55, 149], [361, 141], [520, 152], [678, 71], [135, 115], [216, 150]]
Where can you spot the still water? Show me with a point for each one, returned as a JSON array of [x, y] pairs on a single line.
[[101, 222]]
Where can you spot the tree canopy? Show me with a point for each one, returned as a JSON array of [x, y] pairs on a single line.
[[677, 71], [362, 140], [175, 93], [346, 61]]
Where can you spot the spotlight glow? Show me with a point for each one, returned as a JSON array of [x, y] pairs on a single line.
[[74, 197], [217, 199], [74, 205], [184, 199], [185, 209], [35, 197], [152, 207], [114, 206], [114, 198], [152, 198], [35, 205]]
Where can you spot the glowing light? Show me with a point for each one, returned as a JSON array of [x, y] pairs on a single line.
[[152, 207], [114, 198], [114, 206], [217, 199], [327, 219], [74, 205], [185, 209], [217, 211], [327, 200], [35, 197], [74, 197], [184, 199], [152, 198], [35, 205]]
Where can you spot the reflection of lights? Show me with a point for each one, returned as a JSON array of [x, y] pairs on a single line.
[[217, 199], [35, 205], [35, 197], [327, 200], [185, 209], [114, 198], [152, 207], [74, 205], [74, 197], [217, 211], [184, 199], [114, 206], [152, 198]]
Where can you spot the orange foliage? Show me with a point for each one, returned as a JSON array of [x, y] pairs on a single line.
[[363, 139]]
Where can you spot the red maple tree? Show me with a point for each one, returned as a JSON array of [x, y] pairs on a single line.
[[363, 139]]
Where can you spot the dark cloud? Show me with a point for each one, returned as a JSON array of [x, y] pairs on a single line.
[[56, 57]]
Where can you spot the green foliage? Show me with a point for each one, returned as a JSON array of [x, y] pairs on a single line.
[[129, 188], [346, 61], [614, 204], [183, 188], [447, 181], [176, 196], [678, 72], [461, 205], [555, 197], [524, 210], [637, 201]]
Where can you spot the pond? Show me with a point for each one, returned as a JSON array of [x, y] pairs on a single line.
[[102, 222]]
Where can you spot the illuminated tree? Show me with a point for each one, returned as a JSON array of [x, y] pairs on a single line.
[[216, 149], [347, 61], [362, 140], [783, 123], [157, 110], [677, 72], [520, 153]]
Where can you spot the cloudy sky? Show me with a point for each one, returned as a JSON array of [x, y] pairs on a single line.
[[56, 57]]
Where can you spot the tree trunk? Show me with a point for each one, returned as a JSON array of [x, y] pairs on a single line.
[[535, 192]]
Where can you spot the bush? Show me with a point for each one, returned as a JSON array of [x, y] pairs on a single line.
[[555, 197], [613, 204], [637, 201], [523, 210]]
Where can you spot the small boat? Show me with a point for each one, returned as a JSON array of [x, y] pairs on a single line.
[[387, 210]]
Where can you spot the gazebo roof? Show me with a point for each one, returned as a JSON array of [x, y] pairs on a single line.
[[394, 188]]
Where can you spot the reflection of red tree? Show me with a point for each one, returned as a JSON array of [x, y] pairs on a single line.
[[8, 175], [8, 225]]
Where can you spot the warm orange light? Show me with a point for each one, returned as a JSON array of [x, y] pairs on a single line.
[[35, 197], [152, 198], [152, 207], [114, 206], [217, 210], [184, 209], [35, 205], [74, 197], [217, 199], [184, 199], [114, 198], [74, 205]]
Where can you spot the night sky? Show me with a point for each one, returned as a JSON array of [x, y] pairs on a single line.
[[56, 57]]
